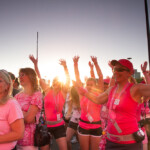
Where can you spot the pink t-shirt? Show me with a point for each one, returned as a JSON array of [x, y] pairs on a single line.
[[124, 113], [53, 106], [9, 113], [25, 101], [89, 110]]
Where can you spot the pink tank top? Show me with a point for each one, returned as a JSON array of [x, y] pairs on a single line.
[[124, 113], [88, 108], [53, 106]]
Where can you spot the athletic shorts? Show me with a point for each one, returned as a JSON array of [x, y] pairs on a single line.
[[73, 125], [57, 132], [94, 132], [26, 147], [115, 146], [66, 121]]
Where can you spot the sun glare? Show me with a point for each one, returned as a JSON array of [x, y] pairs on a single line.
[[62, 78], [50, 76]]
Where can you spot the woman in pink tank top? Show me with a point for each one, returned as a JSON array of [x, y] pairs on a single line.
[[122, 130], [53, 103], [89, 129]]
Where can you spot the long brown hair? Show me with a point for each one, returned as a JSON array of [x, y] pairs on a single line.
[[32, 77]]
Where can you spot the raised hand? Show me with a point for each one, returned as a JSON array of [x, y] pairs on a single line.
[[144, 66], [76, 59], [90, 64], [35, 61], [94, 59], [110, 65], [62, 62], [146, 73]]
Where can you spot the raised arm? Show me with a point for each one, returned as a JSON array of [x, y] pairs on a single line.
[[91, 70], [145, 72], [65, 87], [100, 99], [142, 90], [76, 70], [43, 84], [99, 73], [35, 62]]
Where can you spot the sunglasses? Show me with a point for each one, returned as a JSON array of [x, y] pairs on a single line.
[[120, 69]]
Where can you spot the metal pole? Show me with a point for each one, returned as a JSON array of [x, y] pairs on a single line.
[[37, 48], [148, 29]]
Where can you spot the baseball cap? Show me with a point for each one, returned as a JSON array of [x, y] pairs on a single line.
[[124, 62]]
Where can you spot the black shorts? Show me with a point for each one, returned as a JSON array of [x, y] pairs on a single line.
[[94, 132], [57, 132], [66, 121], [115, 146], [73, 125]]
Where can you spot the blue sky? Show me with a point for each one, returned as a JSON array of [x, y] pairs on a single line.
[[108, 29]]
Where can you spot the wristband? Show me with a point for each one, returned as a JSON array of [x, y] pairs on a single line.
[[144, 72]]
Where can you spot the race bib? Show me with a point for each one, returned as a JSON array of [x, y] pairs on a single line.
[[117, 101], [58, 116], [104, 108], [90, 118]]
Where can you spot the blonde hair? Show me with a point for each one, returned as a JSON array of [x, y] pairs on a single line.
[[75, 97], [6, 77], [91, 79]]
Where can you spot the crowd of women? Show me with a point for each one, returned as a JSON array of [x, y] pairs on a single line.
[[103, 114]]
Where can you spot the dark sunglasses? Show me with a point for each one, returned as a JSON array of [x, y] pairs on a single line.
[[120, 69]]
